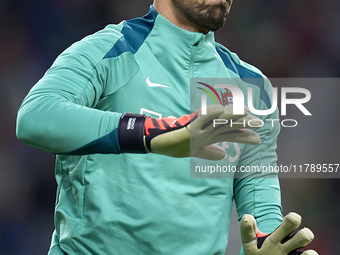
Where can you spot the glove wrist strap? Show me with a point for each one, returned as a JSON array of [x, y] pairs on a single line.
[[131, 133]]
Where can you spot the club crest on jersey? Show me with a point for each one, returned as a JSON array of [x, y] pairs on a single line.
[[226, 97]]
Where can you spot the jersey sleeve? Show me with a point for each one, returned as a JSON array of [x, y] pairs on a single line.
[[258, 193], [59, 115]]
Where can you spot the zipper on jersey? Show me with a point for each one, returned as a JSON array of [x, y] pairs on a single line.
[[191, 60], [191, 67]]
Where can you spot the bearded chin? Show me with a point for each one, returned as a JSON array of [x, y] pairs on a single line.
[[209, 18], [218, 23], [210, 21], [216, 17]]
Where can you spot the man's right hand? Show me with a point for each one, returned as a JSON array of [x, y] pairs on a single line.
[[190, 135]]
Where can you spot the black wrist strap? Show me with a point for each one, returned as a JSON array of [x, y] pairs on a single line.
[[131, 133]]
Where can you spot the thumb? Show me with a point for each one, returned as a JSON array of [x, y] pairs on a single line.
[[248, 228]]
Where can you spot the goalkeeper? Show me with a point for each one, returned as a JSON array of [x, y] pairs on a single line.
[[123, 177]]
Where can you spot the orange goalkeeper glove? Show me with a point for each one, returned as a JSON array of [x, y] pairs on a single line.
[[190, 135]]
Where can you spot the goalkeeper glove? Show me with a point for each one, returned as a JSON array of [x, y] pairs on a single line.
[[279, 242], [189, 135]]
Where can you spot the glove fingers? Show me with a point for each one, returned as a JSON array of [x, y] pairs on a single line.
[[300, 239], [221, 125], [309, 252], [250, 121], [216, 112], [289, 223], [248, 228], [211, 152], [244, 136], [228, 113], [213, 112]]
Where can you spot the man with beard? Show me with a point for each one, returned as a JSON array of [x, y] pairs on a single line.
[[123, 177]]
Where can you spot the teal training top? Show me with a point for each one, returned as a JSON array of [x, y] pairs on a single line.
[[114, 203]]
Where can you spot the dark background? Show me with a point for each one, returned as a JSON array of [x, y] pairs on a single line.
[[292, 38]]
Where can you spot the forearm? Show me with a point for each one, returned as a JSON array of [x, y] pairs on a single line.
[[259, 197], [52, 123]]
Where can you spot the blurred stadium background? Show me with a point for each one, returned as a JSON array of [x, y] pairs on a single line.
[[293, 38]]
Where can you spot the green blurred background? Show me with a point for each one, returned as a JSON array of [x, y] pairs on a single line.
[[292, 38]]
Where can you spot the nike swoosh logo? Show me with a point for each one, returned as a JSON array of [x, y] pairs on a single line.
[[151, 84]]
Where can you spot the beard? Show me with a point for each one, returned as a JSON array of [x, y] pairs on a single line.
[[208, 17]]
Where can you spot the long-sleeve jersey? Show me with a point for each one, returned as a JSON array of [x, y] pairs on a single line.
[[110, 202]]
